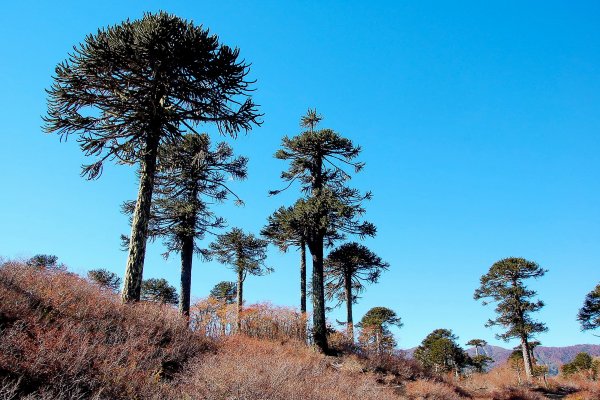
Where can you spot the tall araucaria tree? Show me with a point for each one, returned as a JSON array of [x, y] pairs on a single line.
[[504, 285], [130, 87], [317, 160], [190, 176], [589, 314], [347, 269], [245, 254]]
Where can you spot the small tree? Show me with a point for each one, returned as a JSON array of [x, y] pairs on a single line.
[[479, 361], [589, 315], [159, 291], [245, 254], [347, 268], [46, 261], [224, 291], [504, 285], [439, 352], [105, 278], [375, 332], [135, 85]]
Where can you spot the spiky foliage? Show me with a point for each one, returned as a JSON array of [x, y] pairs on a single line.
[[317, 160], [589, 315], [105, 278], [224, 291], [191, 175], [132, 86], [481, 360], [439, 352], [504, 285], [347, 269], [375, 332], [46, 261], [245, 254], [159, 291]]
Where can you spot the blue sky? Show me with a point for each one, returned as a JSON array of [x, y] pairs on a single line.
[[479, 125]]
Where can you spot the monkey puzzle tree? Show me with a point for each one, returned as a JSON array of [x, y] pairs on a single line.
[[375, 332], [479, 361], [316, 160], [346, 269], [130, 87], [105, 278], [504, 285], [440, 352], [190, 175], [589, 315], [224, 291], [159, 291], [245, 254]]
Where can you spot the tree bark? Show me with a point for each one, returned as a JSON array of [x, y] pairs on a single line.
[[349, 320], [240, 300], [187, 254], [303, 288], [318, 296], [526, 357], [139, 224]]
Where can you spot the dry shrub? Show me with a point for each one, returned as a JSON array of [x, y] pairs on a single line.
[[432, 390], [252, 369], [60, 334], [515, 393]]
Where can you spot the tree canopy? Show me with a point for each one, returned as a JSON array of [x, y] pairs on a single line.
[[589, 314], [159, 291], [105, 278], [375, 332], [224, 291], [440, 352]]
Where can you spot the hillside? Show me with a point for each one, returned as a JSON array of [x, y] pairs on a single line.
[[62, 337]]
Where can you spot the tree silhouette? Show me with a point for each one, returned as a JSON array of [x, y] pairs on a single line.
[[504, 285], [159, 291], [440, 352], [130, 87], [347, 268], [105, 278], [245, 254], [589, 314], [316, 160], [479, 361], [46, 261], [375, 333], [191, 175], [224, 291]]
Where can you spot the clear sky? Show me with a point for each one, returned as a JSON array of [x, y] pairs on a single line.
[[479, 124]]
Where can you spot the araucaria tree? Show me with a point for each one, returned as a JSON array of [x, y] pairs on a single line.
[[347, 268], [480, 361], [317, 160], [130, 87], [375, 334], [190, 176], [245, 254], [589, 315], [440, 352], [159, 291], [224, 291], [504, 285]]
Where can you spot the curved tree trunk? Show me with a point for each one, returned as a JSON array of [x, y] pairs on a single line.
[[240, 300], [318, 295], [526, 357], [139, 224], [349, 320], [187, 254]]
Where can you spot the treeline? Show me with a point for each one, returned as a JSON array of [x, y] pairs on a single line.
[[136, 94]]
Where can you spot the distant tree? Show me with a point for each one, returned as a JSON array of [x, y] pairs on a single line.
[[504, 285], [477, 343], [582, 363], [589, 315], [316, 160], [105, 278], [191, 175], [347, 268], [135, 85], [159, 291], [224, 291], [439, 352], [375, 329], [46, 261], [245, 254], [479, 361]]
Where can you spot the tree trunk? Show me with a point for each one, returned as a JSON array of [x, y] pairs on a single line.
[[187, 253], [349, 320], [303, 288], [526, 357], [318, 295], [240, 300], [139, 224]]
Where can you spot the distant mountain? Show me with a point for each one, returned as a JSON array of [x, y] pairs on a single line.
[[553, 357]]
